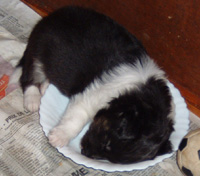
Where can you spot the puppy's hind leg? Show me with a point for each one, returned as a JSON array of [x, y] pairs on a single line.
[[32, 78], [33, 94], [32, 98]]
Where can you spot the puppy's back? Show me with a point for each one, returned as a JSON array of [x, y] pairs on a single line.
[[77, 45]]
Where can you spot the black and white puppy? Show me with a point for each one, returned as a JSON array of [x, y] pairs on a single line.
[[109, 78]]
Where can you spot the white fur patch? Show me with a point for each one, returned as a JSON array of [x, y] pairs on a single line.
[[121, 79], [38, 72], [83, 106], [32, 98]]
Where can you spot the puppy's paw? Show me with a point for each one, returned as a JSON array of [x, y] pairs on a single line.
[[58, 137], [32, 98], [32, 102]]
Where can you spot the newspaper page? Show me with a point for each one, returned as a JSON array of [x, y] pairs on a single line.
[[24, 149], [17, 18]]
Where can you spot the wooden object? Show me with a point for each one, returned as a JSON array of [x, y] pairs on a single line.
[[168, 29]]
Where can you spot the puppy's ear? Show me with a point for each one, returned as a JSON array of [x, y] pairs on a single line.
[[165, 148]]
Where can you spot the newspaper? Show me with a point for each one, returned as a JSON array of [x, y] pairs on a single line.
[[24, 149], [17, 18]]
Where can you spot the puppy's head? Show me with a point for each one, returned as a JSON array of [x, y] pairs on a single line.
[[135, 127]]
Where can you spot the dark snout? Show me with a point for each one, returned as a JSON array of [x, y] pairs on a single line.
[[89, 154], [90, 145]]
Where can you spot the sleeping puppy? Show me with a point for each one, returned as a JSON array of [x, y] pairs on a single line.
[[109, 79]]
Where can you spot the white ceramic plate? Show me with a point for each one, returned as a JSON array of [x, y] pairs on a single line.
[[53, 105]]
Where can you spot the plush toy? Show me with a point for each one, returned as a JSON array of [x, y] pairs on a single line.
[[189, 154]]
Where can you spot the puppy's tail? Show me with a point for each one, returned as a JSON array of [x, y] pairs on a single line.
[[15, 77]]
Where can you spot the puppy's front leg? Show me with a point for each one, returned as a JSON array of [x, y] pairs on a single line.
[[82, 108], [74, 119]]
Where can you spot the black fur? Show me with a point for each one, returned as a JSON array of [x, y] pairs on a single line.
[[75, 46]]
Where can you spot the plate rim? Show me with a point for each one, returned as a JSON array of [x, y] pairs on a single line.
[[112, 167]]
